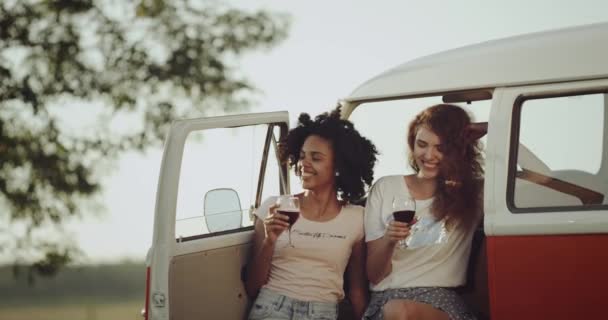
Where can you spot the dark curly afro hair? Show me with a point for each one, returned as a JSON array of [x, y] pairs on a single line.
[[354, 155]]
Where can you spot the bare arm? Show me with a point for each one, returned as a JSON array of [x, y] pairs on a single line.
[[259, 266], [380, 251], [266, 233], [357, 293]]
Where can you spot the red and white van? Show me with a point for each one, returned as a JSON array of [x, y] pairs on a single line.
[[543, 249]]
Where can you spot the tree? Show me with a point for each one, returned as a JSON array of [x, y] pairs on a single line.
[[148, 61]]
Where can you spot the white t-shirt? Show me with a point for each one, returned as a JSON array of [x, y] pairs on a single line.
[[437, 265], [314, 269]]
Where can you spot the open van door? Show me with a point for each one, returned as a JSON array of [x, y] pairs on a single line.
[[214, 173], [546, 201]]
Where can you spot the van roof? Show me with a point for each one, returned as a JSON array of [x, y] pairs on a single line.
[[576, 53]]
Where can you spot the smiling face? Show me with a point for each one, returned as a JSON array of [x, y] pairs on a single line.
[[427, 153], [316, 163]]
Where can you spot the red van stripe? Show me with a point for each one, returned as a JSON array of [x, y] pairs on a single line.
[[147, 292], [557, 277]]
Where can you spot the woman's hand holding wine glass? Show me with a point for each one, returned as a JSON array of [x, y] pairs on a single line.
[[289, 206], [274, 224], [398, 228], [283, 214]]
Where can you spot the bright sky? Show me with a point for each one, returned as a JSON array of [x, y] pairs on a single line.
[[332, 47]]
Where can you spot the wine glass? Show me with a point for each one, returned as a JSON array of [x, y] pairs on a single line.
[[404, 209], [289, 206]]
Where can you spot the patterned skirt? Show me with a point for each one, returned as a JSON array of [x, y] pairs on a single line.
[[443, 299]]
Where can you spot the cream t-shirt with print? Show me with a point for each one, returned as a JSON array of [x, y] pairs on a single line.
[[438, 265], [313, 270]]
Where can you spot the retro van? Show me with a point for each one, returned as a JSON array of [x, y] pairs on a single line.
[[542, 252]]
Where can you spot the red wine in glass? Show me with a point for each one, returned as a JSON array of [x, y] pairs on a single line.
[[404, 209], [404, 215], [289, 206], [292, 214]]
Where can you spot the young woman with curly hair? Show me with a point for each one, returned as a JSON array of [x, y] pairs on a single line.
[[414, 282], [334, 163]]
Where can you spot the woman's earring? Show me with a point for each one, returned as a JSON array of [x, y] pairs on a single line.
[[337, 173]]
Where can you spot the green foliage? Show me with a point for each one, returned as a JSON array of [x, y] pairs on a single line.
[[150, 60]]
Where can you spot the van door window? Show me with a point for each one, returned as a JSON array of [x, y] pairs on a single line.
[[557, 150], [219, 179]]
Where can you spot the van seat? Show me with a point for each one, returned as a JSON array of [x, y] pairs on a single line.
[[475, 292]]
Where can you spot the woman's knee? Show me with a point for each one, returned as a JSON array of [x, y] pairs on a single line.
[[400, 309]]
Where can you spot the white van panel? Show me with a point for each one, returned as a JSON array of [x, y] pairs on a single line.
[[499, 220]]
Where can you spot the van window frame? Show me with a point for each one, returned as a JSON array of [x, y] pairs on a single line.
[[514, 150], [270, 140]]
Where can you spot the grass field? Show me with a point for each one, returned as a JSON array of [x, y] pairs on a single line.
[[97, 292], [129, 310]]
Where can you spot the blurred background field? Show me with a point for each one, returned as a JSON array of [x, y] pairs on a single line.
[[67, 311], [113, 291]]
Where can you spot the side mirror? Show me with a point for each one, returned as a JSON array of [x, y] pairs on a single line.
[[222, 210]]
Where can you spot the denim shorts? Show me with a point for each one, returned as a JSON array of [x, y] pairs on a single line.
[[272, 305]]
